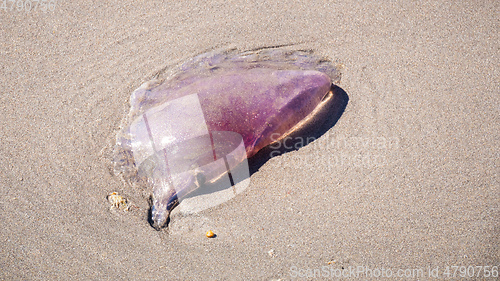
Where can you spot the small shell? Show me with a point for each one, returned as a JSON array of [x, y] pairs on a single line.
[[118, 202]]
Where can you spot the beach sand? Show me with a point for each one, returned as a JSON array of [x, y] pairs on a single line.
[[407, 179]]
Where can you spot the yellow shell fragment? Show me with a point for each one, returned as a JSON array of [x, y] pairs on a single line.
[[118, 202], [210, 234]]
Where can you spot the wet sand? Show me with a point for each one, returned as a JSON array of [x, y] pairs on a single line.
[[406, 179]]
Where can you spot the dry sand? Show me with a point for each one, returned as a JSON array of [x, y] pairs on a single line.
[[407, 178]]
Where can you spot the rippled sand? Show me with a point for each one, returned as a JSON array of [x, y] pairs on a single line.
[[406, 179]]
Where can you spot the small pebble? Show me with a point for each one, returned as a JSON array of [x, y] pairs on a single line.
[[210, 234], [271, 253]]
